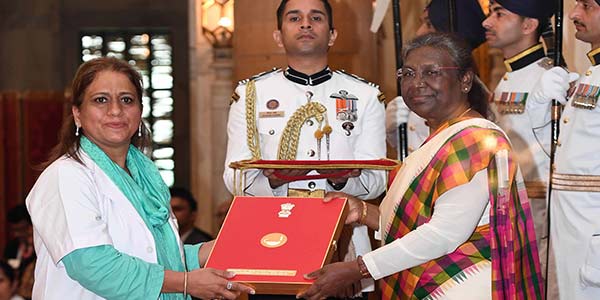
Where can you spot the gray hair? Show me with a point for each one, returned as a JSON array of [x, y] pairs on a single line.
[[460, 53], [455, 46]]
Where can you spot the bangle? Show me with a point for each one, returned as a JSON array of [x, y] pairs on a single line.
[[362, 267], [363, 216], [185, 285]]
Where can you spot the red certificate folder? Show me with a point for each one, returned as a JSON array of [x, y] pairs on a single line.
[[271, 242]]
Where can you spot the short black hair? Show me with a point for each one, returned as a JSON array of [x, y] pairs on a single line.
[[542, 25], [186, 195], [283, 3], [8, 271], [17, 214]]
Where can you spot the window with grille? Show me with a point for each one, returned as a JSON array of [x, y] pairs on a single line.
[[150, 52]]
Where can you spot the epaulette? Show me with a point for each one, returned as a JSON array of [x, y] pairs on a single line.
[[343, 72], [546, 63], [381, 97], [234, 97], [259, 75]]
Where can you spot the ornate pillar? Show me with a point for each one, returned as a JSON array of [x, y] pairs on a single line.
[[221, 90], [211, 76], [201, 76]]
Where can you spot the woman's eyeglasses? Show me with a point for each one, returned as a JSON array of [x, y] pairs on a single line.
[[427, 73]]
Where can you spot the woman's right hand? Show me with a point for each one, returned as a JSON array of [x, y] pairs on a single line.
[[211, 283], [354, 204]]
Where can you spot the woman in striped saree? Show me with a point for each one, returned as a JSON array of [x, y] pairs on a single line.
[[456, 221]]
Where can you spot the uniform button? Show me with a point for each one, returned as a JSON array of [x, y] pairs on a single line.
[[588, 73], [149, 249], [311, 153], [412, 128], [272, 132], [312, 185], [505, 77], [566, 120], [310, 122], [558, 143], [98, 218]]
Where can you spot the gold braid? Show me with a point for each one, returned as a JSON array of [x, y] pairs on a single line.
[[288, 145], [251, 131]]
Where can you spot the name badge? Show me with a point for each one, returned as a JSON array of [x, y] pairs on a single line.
[[271, 114]]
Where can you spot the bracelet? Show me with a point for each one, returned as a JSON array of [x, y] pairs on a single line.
[[363, 216], [362, 267], [185, 285]]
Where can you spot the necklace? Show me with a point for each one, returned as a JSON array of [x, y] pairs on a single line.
[[447, 121], [464, 113]]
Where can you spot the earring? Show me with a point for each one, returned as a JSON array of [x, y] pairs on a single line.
[[140, 130], [76, 130]]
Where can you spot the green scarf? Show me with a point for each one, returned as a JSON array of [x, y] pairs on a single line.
[[148, 193]]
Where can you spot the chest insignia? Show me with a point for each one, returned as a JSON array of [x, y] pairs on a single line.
[[345, 106], [511, 103], [586, 96], [272, 104], [348, 127]]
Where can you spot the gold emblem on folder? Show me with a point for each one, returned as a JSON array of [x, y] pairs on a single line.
[[286, 210], [273, 240]]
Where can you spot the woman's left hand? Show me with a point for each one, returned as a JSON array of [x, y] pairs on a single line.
[[334, 280]]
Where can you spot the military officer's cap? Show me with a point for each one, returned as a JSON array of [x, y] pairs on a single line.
[[469, 17], [538, 9]]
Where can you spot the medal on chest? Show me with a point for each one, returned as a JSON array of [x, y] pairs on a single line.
[[511, 103], [586, 96], [345, 106]]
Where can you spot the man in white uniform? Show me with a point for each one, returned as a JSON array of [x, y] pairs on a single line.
[[575, 201], [433, 19], [515, 27], [307, 112]]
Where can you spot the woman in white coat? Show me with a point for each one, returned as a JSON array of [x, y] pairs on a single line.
[[100, 210]]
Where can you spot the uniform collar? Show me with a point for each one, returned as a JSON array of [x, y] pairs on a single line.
[[594, 56], [525, 58], [314, 79]]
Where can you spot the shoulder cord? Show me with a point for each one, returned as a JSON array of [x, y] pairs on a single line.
[[288, 145], [251, 130]]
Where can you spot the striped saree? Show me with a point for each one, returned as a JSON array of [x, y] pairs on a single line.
[[468, 146]]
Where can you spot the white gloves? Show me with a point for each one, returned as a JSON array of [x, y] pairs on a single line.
[[396, 113], [554, 84]]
